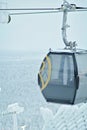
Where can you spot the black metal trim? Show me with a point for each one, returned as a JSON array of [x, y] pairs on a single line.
[[42, 62], [76, 80], [65, 53], [59, 101], [75, 70]]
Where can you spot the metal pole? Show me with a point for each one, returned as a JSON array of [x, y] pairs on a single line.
[[15, 125], [64, 27]]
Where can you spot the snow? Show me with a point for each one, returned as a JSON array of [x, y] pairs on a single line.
[[47, 114], [68, 118]]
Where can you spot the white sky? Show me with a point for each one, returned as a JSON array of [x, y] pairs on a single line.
[[43, 31]]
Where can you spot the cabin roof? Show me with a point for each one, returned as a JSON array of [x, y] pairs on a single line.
[[77, 51]]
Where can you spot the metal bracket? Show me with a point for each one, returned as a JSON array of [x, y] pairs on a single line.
[[66, 7]]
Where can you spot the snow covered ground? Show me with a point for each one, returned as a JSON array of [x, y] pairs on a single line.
[[18, 83]]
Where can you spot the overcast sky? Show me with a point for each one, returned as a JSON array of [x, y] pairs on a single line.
[[42, 31]]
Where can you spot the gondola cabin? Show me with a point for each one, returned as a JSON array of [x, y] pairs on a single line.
[[63, 76]]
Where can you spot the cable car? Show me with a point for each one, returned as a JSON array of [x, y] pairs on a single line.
[[63, 75]]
